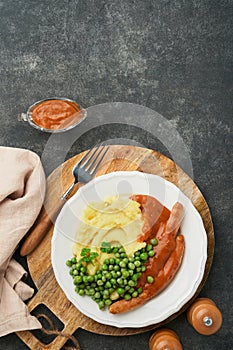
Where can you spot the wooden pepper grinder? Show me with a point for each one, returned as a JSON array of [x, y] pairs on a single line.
[[204, 316], [165, 339]]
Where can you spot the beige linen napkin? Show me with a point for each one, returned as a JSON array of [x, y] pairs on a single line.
[[22, 189]]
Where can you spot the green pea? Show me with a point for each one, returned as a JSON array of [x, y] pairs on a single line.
[[83, 269], [143, 268], [108, 302], [120, 281], [75, 272], [123, 255], [139, 290], [154, 241], [137, 263], [99, 276], [77, 279], [117, 255], [150, 279], [76, 289], [125, 274], [118, 273], [104, 267], [131, 290], [144, 256], [69, 263], [111, 290], [137, 253], [131, 283], [116, 268], [108, 285], [71, 272], [101, 305], [114, 274], [104, 279], [115, 250], [131, 272], [85, 279], [127, 296], [73, 260], [117, 261], [106, 261], [106, 292], [100, 282], [112, 261], [151, 253], [126, 260], [149, 247], [91, 291], [120, 291], [90, 278], [81, 292], [135, 277], [113, 281], [131, 266], [121, 250], [135, 294], [122, 264], [108, 275], [127, 288]]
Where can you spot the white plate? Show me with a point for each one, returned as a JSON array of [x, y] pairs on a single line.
[[186, 281]]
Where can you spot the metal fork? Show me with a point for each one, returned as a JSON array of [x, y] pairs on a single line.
[[83, 172], [86, 168]]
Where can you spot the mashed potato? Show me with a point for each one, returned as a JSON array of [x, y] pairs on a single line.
[[115, 220]]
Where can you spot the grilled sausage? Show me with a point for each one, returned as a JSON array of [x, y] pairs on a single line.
[[160, 282], [153, 214], [166, 244]]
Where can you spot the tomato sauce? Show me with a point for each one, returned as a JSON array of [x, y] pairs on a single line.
[[153, 214], [155, 217], [56, 114]]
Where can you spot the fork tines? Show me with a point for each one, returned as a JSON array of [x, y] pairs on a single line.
[[92, 159]]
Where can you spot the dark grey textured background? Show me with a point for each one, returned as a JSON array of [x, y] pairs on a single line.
[[172, 56]]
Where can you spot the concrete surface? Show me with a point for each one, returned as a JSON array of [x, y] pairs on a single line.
[[174, 57]]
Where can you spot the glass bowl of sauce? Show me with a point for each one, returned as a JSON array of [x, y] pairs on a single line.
[[54, 115]]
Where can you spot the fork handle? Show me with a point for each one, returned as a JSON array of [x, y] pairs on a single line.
[[40, 228]]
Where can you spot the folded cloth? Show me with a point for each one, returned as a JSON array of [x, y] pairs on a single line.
[[22, 189]]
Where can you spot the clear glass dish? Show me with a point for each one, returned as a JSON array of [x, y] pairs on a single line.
[[68, 123]]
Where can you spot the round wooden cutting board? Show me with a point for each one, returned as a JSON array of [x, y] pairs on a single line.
[[119, 158]]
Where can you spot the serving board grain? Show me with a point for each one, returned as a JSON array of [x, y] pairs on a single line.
[[119, 158]]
